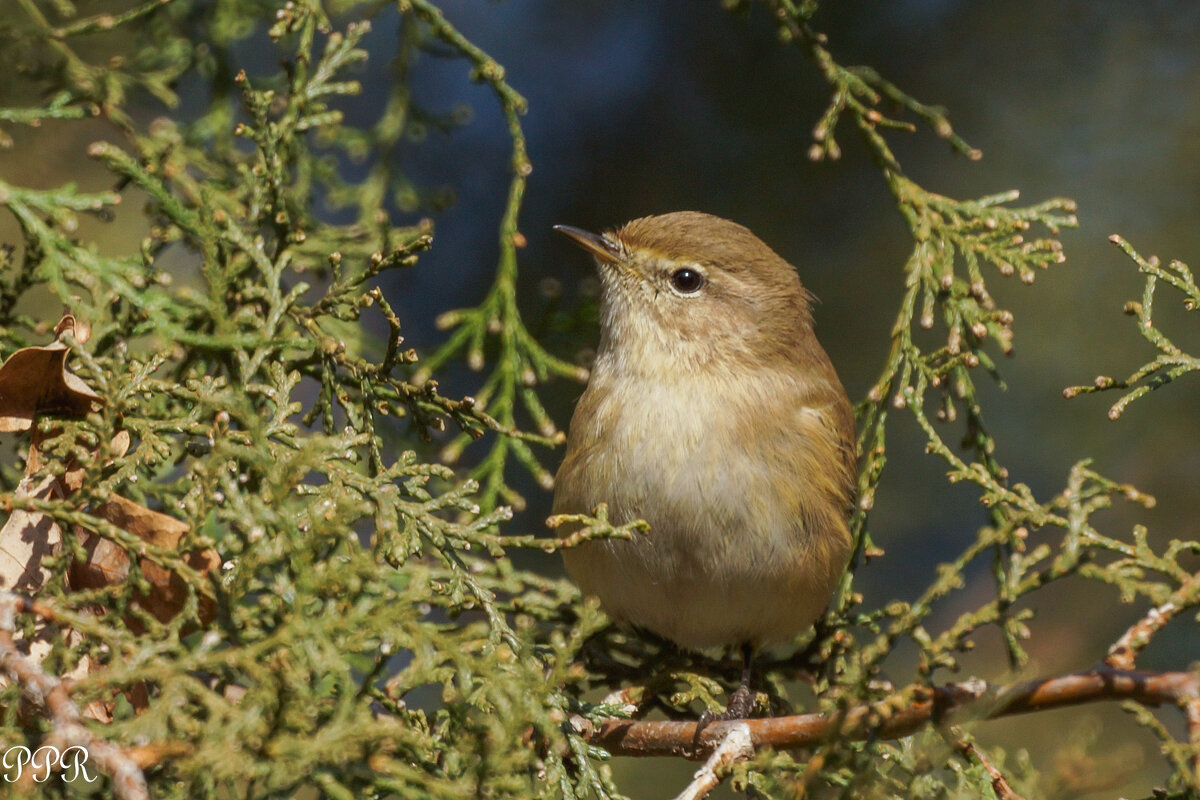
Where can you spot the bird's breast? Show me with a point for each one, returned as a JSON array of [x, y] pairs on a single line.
[[710, 467], [745, 542]]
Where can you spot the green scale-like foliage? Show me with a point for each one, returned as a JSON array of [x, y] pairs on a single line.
[[372, 637], [230, 347]]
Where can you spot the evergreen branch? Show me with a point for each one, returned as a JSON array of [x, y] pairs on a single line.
[[1172, 362], [60, 107], [858, 90], [102, 23], [1124, 651], [584, 528], [967, 748], [952, 240], [521, 363]]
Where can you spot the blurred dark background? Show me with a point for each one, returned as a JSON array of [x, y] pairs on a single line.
[[638, 108]]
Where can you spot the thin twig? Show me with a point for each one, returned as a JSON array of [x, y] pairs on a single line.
[[1124, 651], [967, 748], [738, 745], [1191, 710]]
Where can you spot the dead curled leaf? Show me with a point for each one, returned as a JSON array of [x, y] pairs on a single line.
[[27, 538], [35, 381]]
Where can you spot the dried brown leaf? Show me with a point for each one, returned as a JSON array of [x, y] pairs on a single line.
[[28, 537], [35, 380], [107, 563]]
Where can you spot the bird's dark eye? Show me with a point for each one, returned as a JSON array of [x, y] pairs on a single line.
[[686, 280]]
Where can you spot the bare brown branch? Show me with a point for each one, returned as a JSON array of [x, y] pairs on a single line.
[[907, 711]]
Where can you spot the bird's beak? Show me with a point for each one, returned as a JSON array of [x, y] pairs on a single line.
[[601, 247]]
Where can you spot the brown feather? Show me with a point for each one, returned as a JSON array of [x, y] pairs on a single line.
[[717, 417]]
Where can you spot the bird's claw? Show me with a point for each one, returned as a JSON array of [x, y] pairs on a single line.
[[741, 703]]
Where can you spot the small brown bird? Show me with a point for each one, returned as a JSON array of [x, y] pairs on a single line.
[[714, 414]]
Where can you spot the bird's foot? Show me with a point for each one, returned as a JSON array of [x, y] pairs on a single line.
[[741, 704]]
